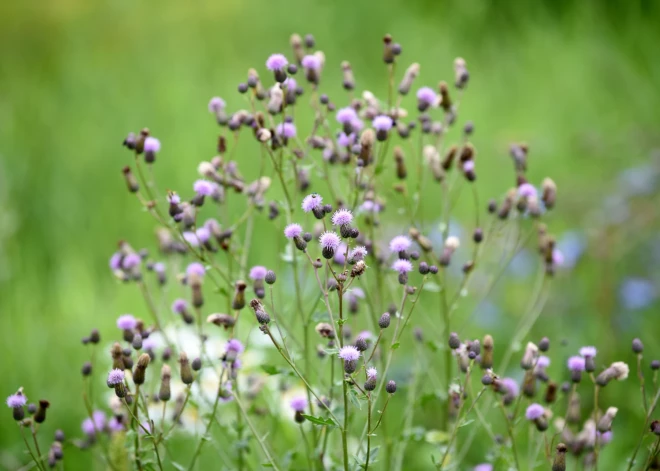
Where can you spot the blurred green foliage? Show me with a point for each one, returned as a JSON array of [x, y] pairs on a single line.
[[577, 80]]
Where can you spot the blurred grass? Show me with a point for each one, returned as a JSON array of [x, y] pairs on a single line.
[[577, 80]]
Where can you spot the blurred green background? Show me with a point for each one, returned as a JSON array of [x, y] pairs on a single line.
[[579, 81]]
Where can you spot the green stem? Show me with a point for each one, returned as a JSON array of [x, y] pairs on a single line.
[[259, 439]]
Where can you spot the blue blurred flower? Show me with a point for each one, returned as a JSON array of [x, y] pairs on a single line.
[[637, 293]]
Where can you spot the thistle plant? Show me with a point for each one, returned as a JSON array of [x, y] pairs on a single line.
[[284, 283]]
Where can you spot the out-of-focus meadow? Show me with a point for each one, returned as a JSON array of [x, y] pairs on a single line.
[[578, 81]]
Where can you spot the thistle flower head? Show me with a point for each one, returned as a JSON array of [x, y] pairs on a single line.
[[311, 202], [372, 373], [151, 144], [344, 140], [234, 345], [452, 242], [357, 253], [216, 104], [329, 240], [342, 217], [90, 426], [16, 400], [402, 266], [400, 244], [292, 230], [173, 198], [543, 362], [299, 403], [203, 235], [527, 190], [621, 370], [534, 411], [382, 123], [468, 166], [126, 322], [557, 257], [115, 425], [311, 61], [511, 386], [483, 467], [276, 62], [349, 353], [258, 272], [286, 130], [115, 376], [130, 261], [576, 363], [588, 352], [203, 187], [426, 95], [115, 261], [346, 115], [195, 268]]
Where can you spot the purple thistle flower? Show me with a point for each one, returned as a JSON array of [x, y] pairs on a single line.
[[311, 61], [342, 217], [426, 95], [311, 202], [382, 123], [258, 272], [151, 144], [358, 253], [97, 422], [605, 437], [349, 353], [344, 140], [468, 166], [557, 257], [115, 376], [234, 345], [159, 267], [365, 334], [290, 83], [292, 231], [276, 62], [340, 257], [149, 343], [130, 261], [203, 235], [126, 322], [191, 238], [370, 207], [576, 363], [115, 261], [286, 130], [346, 115], [195, 268], [511, 386], [543, 362], [16, 400], [173, 198], [534, 411], [216, 104], [527, 190], [400, 243], [226, 393], [329, 240], [357, 125], [588, 352], [298, 404], [114, 425], [203, 187], [372, 373], [402, 266], [483, 467]]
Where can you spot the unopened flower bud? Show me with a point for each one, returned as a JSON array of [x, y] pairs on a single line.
[[262, 317], [637, 346], [40, 414], [141, 368], [390, 387], [454, 341], [238, 302], [185, 369]]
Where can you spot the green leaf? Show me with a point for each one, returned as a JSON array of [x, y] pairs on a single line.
[[266, 465], [178, 466], [353, 397], [320, 420], [466, 422], [270, 370], [396, 345], [432, 287]]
